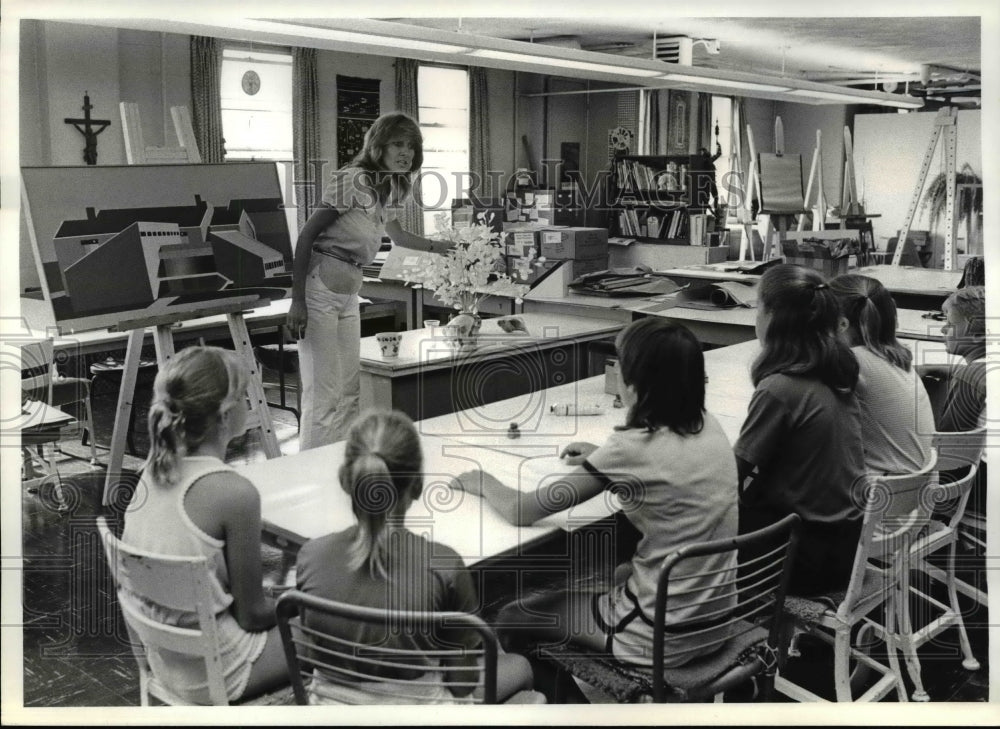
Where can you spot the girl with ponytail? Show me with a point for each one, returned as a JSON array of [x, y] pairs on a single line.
[[379, 563], [800, 449], [190, 503], [896, 417]]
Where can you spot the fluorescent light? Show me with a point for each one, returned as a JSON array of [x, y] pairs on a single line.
[[344, 36], [711, 81], [902, 103], [564, 63]]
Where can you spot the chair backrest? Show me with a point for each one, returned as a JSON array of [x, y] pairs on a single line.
[[895, 508], [351, 664], [181, 583], [36, 369], [750, 590], [957, 465]]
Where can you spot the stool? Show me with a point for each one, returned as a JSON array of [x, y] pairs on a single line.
[[111, 370], [284, 359]]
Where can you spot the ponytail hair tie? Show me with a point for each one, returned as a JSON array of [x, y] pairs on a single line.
[[821, 286]]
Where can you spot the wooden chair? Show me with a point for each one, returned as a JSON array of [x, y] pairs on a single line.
[[50, 424], [176, 583], [895, 511], [345, 663], [743, 643], [138, 153]]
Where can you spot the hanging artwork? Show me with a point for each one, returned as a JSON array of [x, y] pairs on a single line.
[[678, 122], [357, 108]]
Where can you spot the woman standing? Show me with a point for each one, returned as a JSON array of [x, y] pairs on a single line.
[[359, 206]]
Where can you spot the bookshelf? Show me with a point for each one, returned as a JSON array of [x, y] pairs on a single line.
[[650, 198]]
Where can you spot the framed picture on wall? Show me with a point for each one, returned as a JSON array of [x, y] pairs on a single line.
[[678, 122]]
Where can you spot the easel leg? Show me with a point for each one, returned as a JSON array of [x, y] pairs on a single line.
[[255, 389], [130, 371]]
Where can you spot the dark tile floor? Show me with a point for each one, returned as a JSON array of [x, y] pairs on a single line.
[[75, 651]]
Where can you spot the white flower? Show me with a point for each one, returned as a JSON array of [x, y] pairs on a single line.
[[471, 270]]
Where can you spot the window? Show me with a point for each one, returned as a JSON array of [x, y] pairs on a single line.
[[722, 117], [257, 103], [444, 122]]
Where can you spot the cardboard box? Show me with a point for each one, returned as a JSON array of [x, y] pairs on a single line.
[[829, 267], [573, 243], [574, 269], [662, 256], [520, 242]]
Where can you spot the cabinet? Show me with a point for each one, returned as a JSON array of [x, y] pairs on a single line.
[[650, 197]]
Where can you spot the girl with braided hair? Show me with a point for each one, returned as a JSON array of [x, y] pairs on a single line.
[[190, 503]]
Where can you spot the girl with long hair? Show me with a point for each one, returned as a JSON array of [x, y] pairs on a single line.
[[800, 449], [359, 206], [190, 503], [897, 422]]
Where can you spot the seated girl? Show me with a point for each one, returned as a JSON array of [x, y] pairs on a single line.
[[800, 449], [379, 563], [190, 503], [897, 423], [673, 470]]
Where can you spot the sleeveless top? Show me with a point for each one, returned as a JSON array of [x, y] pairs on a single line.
[[156, 521]]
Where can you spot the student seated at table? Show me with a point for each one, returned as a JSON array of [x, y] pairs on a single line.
[[673, 469], [190, 503], [379, 563], [964, 332], [897, 422], [963, 406], [800, 449]]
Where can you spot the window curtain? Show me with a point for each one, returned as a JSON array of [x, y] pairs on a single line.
[[649, 121], [206, 97], [305, 133], [480, 160], [412, 218], [703, 125]]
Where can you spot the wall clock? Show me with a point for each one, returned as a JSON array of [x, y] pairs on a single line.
[[251, 82]]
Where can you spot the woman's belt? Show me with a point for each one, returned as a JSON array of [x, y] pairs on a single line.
[[338, 256]]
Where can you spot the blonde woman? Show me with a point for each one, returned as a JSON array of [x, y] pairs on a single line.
[[359, 206]]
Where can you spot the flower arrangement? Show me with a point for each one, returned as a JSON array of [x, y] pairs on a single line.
[[472, 269]]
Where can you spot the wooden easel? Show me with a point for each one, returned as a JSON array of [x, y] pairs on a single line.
[[945, 124], [746, 212], [815, 176], [163, 339], [136, 151]]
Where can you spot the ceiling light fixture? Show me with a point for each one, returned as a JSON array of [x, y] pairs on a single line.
[[556, 62], [728, 83]]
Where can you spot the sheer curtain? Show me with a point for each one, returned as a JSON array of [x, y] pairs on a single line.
[[480, 160], [308, 169], [407, 102], [703, 127], [206, 97]]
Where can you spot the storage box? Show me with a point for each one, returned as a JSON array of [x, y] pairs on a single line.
[[520, 242], [829, 267], [573, 243], [661, 256]]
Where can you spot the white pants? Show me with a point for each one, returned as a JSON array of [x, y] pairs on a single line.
[[329, 360]]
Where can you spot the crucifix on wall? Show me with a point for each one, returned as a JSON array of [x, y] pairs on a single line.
[[89, 128]]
